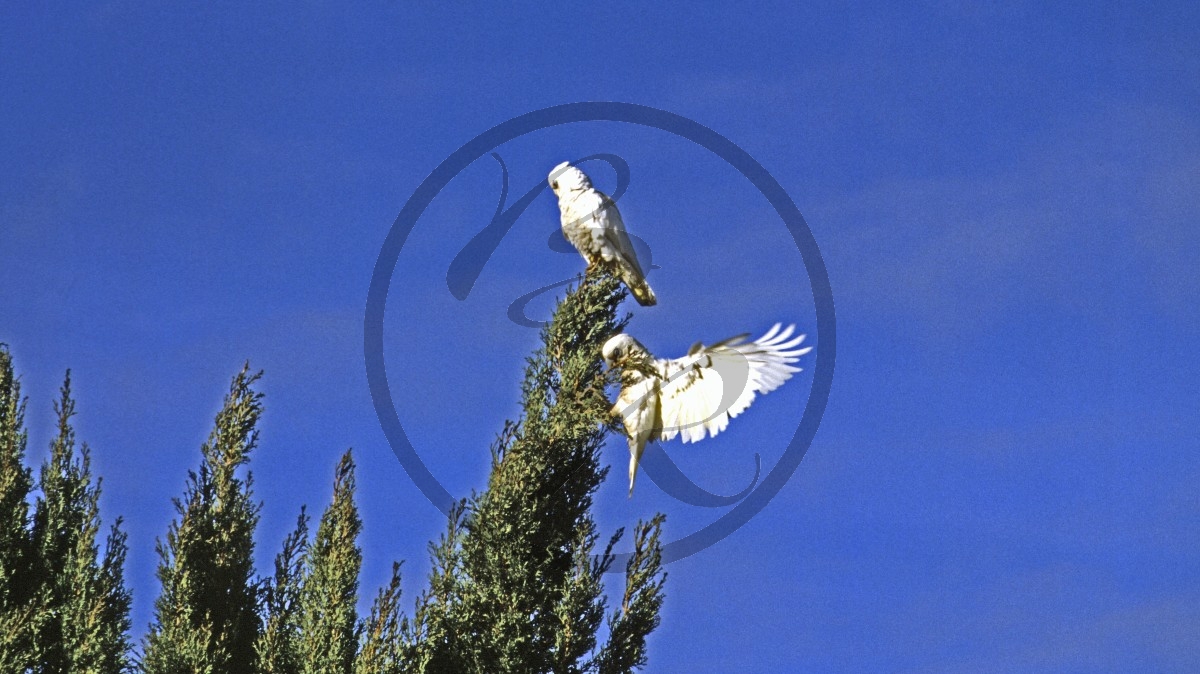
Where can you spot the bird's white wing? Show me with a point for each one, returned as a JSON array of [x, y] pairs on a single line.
[[613, 238], [702, 391]]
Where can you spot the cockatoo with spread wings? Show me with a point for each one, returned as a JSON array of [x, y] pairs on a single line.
[[695, 396], [591, 222]]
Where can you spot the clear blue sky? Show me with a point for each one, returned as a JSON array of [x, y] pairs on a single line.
[[1007, 198]]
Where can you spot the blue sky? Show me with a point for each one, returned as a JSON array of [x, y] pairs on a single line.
[[1006, 197]]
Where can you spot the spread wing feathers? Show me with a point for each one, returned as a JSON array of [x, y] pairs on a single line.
[[702, 391]]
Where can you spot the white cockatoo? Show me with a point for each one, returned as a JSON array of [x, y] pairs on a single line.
[[591, 222], [695, 396]]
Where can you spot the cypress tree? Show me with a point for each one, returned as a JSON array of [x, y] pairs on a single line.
[[384, 648], [516, 586], [206, 617], [82, 604], [16, 482], [278, 645], [436, 645], [638, 614], [328, 618]]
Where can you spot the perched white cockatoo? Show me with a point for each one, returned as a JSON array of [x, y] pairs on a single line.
[[591, 222], [698, 394]]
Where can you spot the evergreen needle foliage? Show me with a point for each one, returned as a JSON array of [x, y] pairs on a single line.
[[82, 604], [64, 606], [16, 544], [278, 645], [383, 649], [206, 618], [516, 586], [328, 620], [638, 613]]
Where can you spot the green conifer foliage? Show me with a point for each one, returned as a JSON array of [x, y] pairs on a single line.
[[436, 642], [82, 605], [515, 586], [206, 617], [328, 618], [384, 649], [16, 554], [279, 644], [638, 614]]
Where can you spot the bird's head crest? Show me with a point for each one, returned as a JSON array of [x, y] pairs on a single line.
[[619, 347], [566, 178]]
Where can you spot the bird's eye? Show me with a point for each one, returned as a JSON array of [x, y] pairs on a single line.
[[554, 185]]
